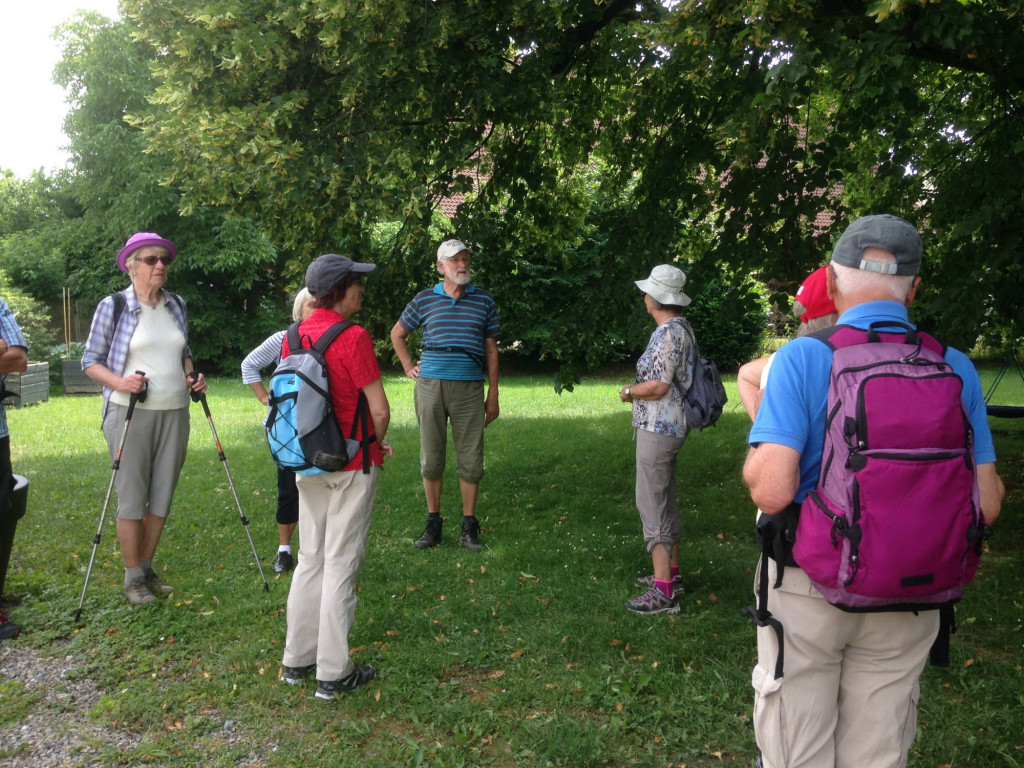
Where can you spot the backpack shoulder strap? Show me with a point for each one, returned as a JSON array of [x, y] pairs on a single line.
[[775, 535], [930, 342], [688, 331], [327, 337], [120, 302], [361, 419], [685, 325], [177, 300], [292, 335], [839, 336]]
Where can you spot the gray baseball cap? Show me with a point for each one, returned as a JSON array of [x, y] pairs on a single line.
[[326, 271], [885, 231]]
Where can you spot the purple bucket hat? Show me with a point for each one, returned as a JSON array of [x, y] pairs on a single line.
[[141, 240]]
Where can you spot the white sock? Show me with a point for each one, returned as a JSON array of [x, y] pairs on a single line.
[[285, 548]]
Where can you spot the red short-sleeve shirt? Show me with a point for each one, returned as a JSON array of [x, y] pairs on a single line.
[[351, 365]]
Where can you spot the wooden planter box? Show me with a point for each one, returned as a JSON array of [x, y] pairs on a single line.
[[75, 380], [29, 386]]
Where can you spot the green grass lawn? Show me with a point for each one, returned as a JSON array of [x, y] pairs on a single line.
[[520, 655]]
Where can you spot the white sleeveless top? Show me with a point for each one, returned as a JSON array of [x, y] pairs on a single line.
[[156, 348]]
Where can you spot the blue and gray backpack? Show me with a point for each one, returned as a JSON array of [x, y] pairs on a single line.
[[302, 428]]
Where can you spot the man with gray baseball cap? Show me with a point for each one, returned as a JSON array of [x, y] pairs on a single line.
[[844, 693], [883, 232], [460, 351]]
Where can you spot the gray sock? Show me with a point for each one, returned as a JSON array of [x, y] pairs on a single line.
[[131, 574], [146, 566]]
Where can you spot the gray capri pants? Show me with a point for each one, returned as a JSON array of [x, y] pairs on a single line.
[[656, 488], [151, 462]]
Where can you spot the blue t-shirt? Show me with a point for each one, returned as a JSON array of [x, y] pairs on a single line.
[[792, 411], [454, 331]]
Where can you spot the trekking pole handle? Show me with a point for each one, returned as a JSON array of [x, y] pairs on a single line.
[[136, 397], [198, 397]]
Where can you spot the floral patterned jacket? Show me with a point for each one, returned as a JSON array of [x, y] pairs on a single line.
[[669, 359]]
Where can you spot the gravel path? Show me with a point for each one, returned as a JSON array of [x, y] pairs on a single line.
[[57, 731]]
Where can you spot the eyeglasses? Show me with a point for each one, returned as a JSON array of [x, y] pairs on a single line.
[[152, 260]]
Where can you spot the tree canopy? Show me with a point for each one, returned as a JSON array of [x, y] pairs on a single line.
[[735, 126], [586, 141], [66, 230]]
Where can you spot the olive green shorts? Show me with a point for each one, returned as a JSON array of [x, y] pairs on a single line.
[[438, 402]]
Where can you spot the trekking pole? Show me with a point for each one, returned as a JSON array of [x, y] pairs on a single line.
[[200, 397], [136, 397]]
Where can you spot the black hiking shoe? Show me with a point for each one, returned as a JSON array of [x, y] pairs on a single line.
[[294, 675], [8, 628], [360, 676], [431, 535], [283, 562], [470, 532]]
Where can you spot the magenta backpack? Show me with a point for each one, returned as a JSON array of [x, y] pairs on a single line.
[[895, 522]]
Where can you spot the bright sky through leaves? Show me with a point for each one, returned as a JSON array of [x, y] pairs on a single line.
[[33, 108]]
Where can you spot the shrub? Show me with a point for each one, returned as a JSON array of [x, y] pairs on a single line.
[[32, 317], [728, 318]]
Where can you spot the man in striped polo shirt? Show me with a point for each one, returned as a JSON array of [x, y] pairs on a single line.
[[459, 351]]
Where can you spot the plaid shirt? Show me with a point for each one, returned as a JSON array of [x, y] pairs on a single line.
[[108, 346], [11, 333]]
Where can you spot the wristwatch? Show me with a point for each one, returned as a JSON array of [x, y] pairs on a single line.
[[627, 391]]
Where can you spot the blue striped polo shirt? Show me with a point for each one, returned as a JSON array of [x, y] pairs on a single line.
[[450, 324]]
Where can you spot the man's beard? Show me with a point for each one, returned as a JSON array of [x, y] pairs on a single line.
[[461, 279]]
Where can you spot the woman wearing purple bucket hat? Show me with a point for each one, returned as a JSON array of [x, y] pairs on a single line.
[[143, 329]]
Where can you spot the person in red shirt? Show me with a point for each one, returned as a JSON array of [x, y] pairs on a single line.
[[335, 507]]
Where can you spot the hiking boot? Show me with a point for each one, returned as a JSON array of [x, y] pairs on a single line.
[[155, 585], [431, 535], [138, 593], [361, 675], [294, 675], [648, 581], [8, 628], [470, 530], [653, 601], [283, 562]]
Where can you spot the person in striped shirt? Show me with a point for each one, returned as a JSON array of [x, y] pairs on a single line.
[[459, 352]]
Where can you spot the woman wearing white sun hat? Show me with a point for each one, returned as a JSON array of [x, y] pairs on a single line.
[[664, 373]]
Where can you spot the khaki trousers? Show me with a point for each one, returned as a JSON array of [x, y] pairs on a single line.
[[334, 521], [849, 692], [656, 457]]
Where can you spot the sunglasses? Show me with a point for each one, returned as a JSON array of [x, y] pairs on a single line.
[[152, 260]]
